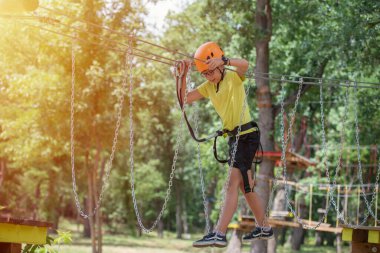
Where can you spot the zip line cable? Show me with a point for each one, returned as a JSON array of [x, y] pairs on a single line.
[[315, 78], [114, 31], [250, 74], [55, 21], [95, 43], [188, 55]]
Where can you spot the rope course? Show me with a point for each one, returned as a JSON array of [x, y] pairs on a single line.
[[130, 50]]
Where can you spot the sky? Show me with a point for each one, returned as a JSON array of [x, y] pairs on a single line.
[[157, 12]]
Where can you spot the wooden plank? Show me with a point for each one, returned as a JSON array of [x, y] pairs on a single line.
[[248, 224], [297, 225], [25, 222], [358, 247], [314, 223], [15, 233], [281, 214]]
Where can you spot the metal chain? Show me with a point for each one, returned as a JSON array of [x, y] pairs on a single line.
[[360, 172], [369, 206], [235, 145], [331, 192], [284, 144], [108, 165], [179, 141], [340, 215], [196, 123]]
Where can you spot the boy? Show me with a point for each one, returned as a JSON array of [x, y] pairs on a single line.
[[227, 94]]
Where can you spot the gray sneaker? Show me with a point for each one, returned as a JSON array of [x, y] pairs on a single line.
[[211, 239], [258, 233]]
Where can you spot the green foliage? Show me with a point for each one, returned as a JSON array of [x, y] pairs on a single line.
[[63, 238], [318, 39]]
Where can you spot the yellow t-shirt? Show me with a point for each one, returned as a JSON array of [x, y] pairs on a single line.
[[228, 101]]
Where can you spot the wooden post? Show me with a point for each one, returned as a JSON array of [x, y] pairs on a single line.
[[377, 191], [357, 211], [295, 200], [345, 202], [311, 203], [327, 202], [337, 205]]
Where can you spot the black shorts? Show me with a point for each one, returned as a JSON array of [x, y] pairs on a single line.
[[246, 150]]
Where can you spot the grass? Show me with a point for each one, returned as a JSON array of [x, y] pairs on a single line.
[[169, 244]]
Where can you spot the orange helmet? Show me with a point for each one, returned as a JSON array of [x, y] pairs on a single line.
[[206, 51]]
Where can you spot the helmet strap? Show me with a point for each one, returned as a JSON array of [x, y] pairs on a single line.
[[222, 74]]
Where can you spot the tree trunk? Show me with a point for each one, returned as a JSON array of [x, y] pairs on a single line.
[[2, 171], [53, 203], [160, 229], [178, 212], [184, 216], [319, 238], [279, 204], [97, 187], [86, 222], [234, 245], [297, 238], [94, 221], [338, 243], [90, 204], [298, 233], [264, 100]]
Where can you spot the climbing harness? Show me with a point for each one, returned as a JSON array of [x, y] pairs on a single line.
[[231, 133]]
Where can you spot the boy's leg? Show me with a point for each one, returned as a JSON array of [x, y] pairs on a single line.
[[254, 201], [263, 231], [231, 201], [218, 238]]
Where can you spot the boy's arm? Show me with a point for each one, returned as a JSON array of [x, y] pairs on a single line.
[[193, 95], [241, 66]]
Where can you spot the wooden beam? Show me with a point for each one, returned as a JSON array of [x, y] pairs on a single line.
[[10, 247], [363, 228], [358, 247], [25, 222]]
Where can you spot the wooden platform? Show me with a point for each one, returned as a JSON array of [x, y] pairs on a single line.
[[364, 239], [14, 232], [247, 223], [293, 160]]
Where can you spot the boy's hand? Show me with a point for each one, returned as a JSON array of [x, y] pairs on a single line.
[[214, 63], [189, 62], [182, 67]]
